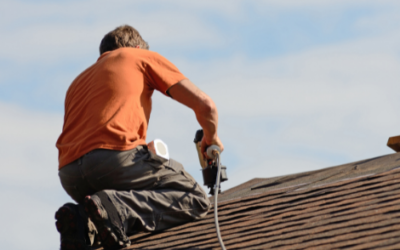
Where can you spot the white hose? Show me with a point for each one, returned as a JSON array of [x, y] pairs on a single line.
[[216, 190]]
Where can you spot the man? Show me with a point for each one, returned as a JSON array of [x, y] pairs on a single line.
[[104, 164]]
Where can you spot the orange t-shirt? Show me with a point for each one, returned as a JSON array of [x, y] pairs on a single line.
[[108, 105]]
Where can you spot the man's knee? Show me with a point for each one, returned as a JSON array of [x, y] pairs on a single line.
[[201, 206]]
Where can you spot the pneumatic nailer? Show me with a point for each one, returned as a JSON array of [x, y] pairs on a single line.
[[210, 167]]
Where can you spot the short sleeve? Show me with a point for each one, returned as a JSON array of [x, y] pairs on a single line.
[[162, 74]]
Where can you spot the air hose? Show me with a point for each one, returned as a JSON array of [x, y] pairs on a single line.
[[216, 189]]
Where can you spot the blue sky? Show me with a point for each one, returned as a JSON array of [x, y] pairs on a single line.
[[300, 85]]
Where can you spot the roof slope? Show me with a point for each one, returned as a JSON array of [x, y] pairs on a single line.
[[352, 206]]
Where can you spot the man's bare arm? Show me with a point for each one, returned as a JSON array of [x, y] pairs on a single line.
[[203, 106]]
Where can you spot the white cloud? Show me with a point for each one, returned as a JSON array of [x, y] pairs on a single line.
[[28, 223], [28, 150], [47, 31], [333, 104], [63, 37], [30, 188]]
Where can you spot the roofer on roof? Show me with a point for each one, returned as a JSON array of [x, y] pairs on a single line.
[[104, 164]]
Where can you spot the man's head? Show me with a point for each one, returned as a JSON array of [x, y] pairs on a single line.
[[122, 36]]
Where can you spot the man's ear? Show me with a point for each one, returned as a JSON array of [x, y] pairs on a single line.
[[137, 46]]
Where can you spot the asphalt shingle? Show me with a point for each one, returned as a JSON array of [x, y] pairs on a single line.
[[352, 206]]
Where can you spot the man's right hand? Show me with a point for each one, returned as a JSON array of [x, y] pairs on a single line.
[[207, 143]]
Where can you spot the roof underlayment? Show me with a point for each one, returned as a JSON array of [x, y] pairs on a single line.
[[352, 206]]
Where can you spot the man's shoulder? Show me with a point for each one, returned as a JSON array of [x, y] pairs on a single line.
[[138, 56], [135, 52]]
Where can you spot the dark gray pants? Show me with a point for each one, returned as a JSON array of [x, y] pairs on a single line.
[[149, 192]]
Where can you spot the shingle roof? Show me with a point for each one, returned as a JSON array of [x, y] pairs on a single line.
[[352, 206]]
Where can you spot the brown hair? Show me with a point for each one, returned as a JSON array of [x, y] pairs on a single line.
[[122, 36]]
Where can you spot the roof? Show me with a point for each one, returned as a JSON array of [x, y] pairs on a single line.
[[352, 206]]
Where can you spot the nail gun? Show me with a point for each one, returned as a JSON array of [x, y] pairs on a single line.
[[209, 167]]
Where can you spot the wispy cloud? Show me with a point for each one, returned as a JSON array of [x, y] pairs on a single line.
[[29, 183], [329, 105], [51, 31], [27, 146]]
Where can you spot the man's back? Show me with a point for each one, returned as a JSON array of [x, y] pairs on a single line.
[[120, 186], [108, 105]]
